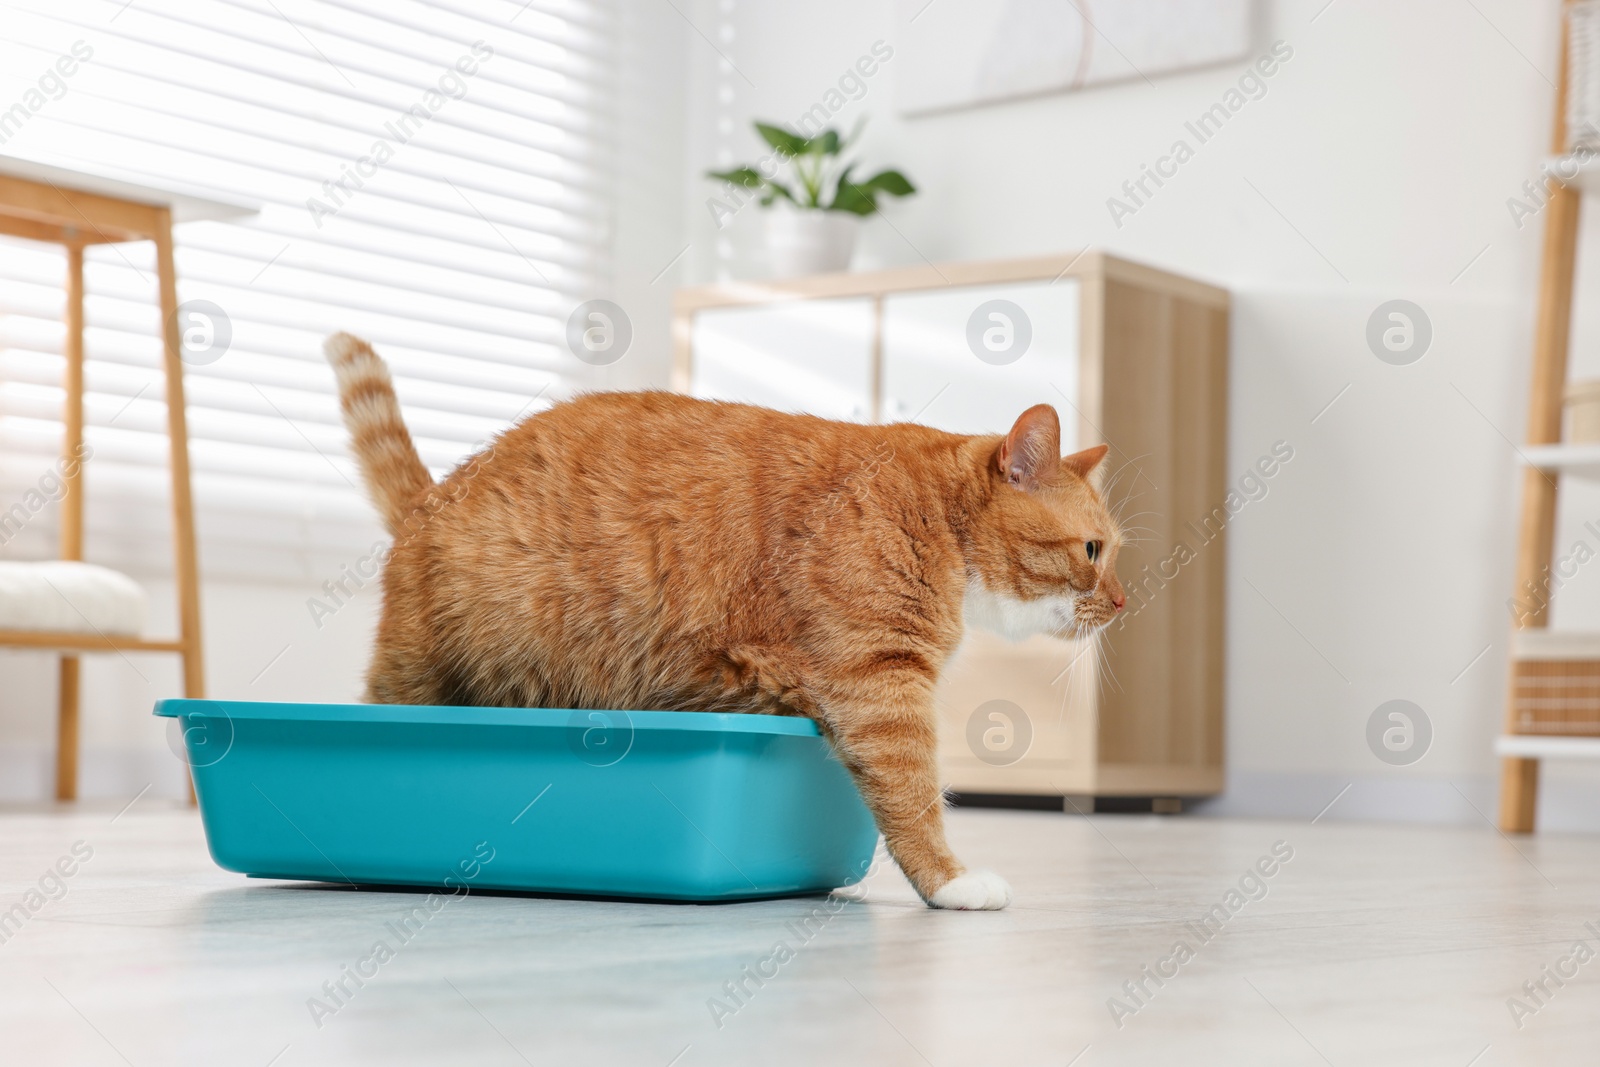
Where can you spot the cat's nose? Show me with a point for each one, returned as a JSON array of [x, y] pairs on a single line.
[[1118, 599]]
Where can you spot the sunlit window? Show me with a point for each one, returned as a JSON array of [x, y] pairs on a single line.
[[428, 175]]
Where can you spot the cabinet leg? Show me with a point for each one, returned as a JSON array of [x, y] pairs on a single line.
[[1519, 794]]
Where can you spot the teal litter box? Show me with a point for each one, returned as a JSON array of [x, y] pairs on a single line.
[[666, 805]]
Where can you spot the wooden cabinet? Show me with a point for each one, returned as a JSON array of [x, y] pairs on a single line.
[[1130, 356]]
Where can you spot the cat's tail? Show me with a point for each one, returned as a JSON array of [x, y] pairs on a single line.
[[389, 462]]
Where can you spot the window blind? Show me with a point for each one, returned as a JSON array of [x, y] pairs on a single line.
[[431, 176]]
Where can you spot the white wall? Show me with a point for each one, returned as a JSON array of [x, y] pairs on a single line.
[[651, 173], [1377, 166]]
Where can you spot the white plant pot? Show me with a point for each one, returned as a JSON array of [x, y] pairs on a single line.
[[810, 242]]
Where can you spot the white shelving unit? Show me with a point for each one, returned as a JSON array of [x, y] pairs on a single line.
[[1550, 703], [1578, 461], [1525, 746]]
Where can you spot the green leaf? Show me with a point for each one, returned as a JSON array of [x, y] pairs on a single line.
[[844, 179], [862, 207], [782, 139], [747, 177], [841, 190], [889, 181], [854, 199], [827, 142]]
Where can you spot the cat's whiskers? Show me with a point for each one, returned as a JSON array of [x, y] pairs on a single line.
[[1104, 661], [1066, 689], [1116, 476], [1111, 482], [1122, 521], [1122, 501]]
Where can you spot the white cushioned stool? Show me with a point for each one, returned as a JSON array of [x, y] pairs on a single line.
[[69, 597]]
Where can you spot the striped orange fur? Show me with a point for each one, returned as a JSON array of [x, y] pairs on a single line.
[[390, 465], [652, 551]]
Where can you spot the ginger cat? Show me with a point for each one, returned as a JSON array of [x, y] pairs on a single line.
[[649, 551]]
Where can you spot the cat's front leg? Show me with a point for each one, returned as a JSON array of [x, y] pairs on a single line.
[[890, 745]]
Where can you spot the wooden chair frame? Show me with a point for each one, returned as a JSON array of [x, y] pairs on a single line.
[[43, 211]]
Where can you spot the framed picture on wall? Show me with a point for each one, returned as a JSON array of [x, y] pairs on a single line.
[[959, 53]]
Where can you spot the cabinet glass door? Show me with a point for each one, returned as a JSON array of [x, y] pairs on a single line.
[[812, 356], [971, 359]]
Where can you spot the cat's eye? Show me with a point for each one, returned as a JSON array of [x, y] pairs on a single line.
[[1092, 550]]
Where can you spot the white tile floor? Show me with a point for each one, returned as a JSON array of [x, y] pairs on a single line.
[[1375, 945]]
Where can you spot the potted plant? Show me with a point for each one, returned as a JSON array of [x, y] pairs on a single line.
[[819, 207]]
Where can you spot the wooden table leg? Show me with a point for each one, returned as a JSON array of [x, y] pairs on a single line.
[[67, 731], [185, 562], [67, 743]]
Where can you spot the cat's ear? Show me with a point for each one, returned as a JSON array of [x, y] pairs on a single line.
[[1086, 464], [1030, 455]]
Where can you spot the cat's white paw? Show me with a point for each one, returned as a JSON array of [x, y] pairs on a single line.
[[973, 891]]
